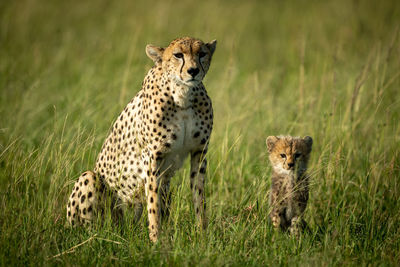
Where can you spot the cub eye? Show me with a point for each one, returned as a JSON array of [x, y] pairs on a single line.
[[178, 55], [297, 155], [202, 54], [283, 156]]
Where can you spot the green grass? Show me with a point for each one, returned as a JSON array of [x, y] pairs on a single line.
[[329, 69]]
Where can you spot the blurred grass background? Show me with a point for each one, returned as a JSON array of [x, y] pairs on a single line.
[[329, 69]]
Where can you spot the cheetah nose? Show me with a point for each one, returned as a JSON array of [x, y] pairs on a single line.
[[193, 71], [291, 164]]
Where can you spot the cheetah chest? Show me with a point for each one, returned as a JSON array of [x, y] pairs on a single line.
[[185, 127]]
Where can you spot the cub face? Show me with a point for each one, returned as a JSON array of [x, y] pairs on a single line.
[[288, 153], [186, 60]]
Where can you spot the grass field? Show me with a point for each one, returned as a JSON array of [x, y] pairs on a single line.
[[329, 69]]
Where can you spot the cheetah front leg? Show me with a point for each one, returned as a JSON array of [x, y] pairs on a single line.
[[295, 226], [152, 199], [197, 181], [275, 217], [275, 214], [297, 222]]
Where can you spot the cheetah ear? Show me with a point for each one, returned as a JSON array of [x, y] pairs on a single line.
[[155, 53], [308, 140], [211, 46], [271, 140]]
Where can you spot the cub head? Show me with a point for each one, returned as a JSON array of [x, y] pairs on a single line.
[[288, 153], [185, 61]]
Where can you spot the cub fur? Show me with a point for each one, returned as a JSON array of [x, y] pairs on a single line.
[[289, 182]]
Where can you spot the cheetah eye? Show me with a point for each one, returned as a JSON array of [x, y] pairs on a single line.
[[202, 54], [178, 55], [283, 156], [297, 155]]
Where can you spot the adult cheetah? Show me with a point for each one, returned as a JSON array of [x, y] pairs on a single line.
[[169, 118]]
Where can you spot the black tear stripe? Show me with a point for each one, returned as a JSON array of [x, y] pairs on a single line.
[[183, 64], [201, 65]]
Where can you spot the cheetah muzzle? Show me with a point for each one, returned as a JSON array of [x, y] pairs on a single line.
[[169, 118]]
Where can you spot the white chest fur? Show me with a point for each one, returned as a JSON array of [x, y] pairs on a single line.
[[184, 125]]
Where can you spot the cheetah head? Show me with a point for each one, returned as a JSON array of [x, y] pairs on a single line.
[[185, 61], [288, 153]]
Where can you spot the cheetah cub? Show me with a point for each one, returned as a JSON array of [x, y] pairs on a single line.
[[289, 182], [170, 118]]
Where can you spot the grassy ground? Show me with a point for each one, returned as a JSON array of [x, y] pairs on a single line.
[[329, 69]]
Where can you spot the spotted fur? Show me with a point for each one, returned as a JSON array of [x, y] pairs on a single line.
[[169, 118]]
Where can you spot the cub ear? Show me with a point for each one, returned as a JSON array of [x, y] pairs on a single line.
[[308, 140], [271, 140], [155, 53], [211, 46]]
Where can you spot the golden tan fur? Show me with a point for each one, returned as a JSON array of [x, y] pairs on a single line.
[[170, 118]]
